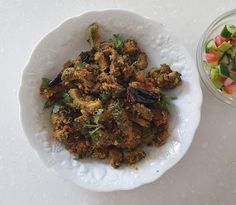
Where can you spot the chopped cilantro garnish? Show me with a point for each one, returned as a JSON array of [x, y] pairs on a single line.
[[134, 63], [113, 79], [162, 76], [67, 64], [93, 37], [45, 82], [83, 55], [105, 97], [117, 105], [80, 65], [93, 34], [66, 98], [93, 133], [97, 115], [138, 158], [56, 107], [118, 41], [174, 98], [164, 101], [91, 126], [75, 158]]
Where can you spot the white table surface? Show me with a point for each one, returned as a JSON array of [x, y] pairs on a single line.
[[207, 173]]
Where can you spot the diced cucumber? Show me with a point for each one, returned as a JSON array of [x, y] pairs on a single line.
[[224, 47], [223, 70], [228, 31], [225, 59], [234, 64], [232, 52], [215, 78], [210, 46], [211, 65]]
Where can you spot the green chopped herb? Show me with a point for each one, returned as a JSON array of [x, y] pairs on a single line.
[[162, 76], [89, 120], [164, 101], [97, 115], [67, 64], [93, 34], [118, 41], [56, 107], [117, 105], [105, 97], [66, 98], [80, 65], [138, 158], [93, 133], [91, 126], [174, 98], [83, 54], [134, 63], [113, 79], [45, 82]]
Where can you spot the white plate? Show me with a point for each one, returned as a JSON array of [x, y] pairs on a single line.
[[65, 42]]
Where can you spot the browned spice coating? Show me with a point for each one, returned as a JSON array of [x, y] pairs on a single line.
[[104, 106]]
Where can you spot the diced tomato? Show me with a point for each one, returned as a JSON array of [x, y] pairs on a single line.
[[233, 42], [230, 89], [228, 82], [212, 57], [222, 79], [219, 40]]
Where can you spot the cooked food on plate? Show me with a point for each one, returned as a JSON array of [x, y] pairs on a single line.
[[105, 105]]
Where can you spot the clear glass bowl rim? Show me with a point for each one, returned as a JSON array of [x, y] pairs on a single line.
[[200, 61]]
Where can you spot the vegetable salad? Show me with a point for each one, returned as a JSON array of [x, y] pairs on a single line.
[[220, 54]]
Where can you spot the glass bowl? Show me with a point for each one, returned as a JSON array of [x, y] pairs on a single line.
[[214, 29]]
